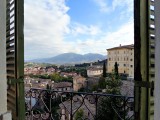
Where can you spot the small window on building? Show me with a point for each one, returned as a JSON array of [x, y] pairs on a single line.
[[124, 71], [124, 64], [130, 59], [131, 65]]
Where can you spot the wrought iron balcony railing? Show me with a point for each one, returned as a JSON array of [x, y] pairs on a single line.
[[63, 105]]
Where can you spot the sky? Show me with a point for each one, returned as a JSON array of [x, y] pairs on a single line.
[[53, 27]]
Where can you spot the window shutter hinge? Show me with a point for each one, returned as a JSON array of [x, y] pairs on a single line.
[[14, 81], [145, 84]]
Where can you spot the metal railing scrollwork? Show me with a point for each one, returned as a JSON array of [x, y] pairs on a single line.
[[62, 105]]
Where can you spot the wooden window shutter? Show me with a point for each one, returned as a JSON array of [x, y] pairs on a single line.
[[144, 30], [15, 57]]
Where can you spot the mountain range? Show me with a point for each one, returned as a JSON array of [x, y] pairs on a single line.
[[71, 58]]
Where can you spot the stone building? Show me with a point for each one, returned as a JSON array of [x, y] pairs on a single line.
[[124, 56], [78, 82]]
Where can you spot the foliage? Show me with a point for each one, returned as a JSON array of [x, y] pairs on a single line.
[[113, 84], [79, 115], [45, 76], [105, 111], [102, 83], [84, 73], [104, 69], [56, 77], [116, 70], [94, 87], [79, 70], [51, 104], [82, 89], [33, 64]]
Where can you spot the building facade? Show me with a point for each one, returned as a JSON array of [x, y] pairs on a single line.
[[124, 56], [93, 71], [78, 82]]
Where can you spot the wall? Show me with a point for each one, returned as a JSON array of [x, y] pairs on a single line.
[[123, 57], [3, 81], [3, 85], [92, 73], [157, 62]]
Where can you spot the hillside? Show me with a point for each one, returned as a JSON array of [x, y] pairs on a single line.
[[71, 58]]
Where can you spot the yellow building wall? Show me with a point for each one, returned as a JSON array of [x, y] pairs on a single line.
[[124, 58]]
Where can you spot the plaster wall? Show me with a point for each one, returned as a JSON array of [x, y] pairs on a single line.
[[3, 83], [125, 59], [157, 61]]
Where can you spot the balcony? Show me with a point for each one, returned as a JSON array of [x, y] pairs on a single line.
[[62, 105]]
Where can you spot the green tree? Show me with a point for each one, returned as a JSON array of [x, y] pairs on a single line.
[[79, 115], [116, 70], [51, 105], [82, 89], [104, 69], [94, 87], [56, 77], [105, 107], [102, 83], [84, 73]]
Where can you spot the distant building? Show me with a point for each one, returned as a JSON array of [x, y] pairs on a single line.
[[62, 86], [95, 70], [78, 82], [124, 56]]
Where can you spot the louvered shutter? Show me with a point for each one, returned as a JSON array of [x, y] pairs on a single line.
[[15, 58], [144, 59]]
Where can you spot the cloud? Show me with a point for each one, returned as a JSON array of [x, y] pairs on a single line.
[[104, 7], [128, 4], [47, 24], [124, 36], [107, 6], [78, 28]]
